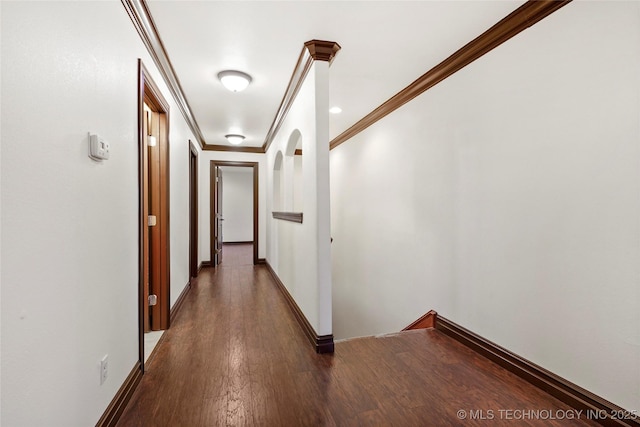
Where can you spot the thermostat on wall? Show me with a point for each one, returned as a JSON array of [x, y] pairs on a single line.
[[98, 148]]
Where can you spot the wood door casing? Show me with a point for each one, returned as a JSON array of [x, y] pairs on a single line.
[[218, 215], [193, 211], [153, 168], [212, 208]]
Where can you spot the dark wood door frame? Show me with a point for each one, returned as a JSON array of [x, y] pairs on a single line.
[[213, 195], [158, 253], [193, 211], [218, 237]]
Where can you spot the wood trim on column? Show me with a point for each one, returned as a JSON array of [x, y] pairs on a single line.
[[519, 20], [321, 50], [321, 343], [599, 409], [313, 50]]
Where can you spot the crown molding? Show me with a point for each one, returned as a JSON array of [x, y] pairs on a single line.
[[238, 149], [142, 20], [313, 50], [321, 50], [519, 20]]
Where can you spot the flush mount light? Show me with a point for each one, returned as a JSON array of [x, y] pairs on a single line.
[[335, 110], [234, 139], [235, 81]]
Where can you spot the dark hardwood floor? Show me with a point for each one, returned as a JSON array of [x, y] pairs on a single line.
[[236, 356], [237, 254]]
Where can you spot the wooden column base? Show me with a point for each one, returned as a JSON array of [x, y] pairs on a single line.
[[321, 343]]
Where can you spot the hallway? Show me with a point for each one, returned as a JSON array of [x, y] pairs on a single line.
[[236, 356]]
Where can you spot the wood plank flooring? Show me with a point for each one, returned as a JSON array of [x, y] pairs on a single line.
[[235, 356]]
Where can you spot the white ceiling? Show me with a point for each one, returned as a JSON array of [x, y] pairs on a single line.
[[385, 46]]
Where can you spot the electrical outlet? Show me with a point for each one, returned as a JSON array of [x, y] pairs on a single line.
[[104, 368]]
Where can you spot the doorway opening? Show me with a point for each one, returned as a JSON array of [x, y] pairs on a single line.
[[217, 210], [193, 211], [153, 179]]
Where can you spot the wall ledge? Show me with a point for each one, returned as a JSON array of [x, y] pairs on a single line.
[[288, 216]]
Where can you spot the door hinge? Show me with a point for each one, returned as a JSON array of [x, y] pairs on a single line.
[[151, 220], [153, 299]]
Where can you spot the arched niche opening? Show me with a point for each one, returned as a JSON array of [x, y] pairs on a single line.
[[278, 183], [295, 184]]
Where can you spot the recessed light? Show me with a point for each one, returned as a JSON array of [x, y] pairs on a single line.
[[335, 110], [234, 139], [235, 81]]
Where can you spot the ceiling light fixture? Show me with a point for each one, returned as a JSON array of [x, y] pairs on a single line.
[[234, 139], [335, 110], [235, 81]]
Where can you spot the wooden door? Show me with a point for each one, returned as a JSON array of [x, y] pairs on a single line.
[[145, 215], [154, 246], [217, 205], [154, 219]]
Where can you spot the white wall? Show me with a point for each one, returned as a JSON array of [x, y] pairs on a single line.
[[507, 199], [180, 134], [0, 221], [300, 253], [237, 204], [204, 188], [69, 224]]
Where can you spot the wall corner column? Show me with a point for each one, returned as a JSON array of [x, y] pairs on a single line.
[[323, 53]]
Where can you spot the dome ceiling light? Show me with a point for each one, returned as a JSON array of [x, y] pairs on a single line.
[[234, 139], [235, 81]]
